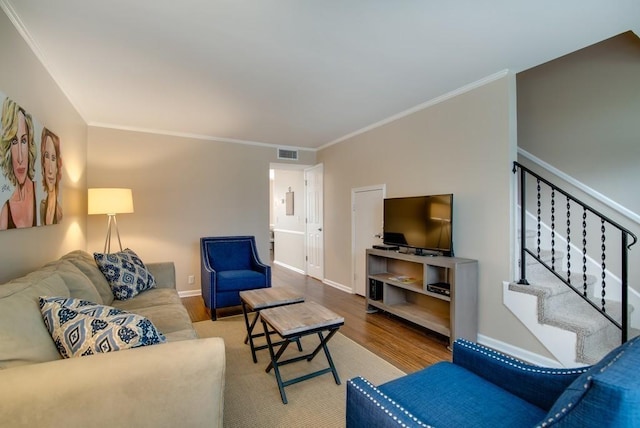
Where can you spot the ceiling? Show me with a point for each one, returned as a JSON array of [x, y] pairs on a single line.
[[299, 73]]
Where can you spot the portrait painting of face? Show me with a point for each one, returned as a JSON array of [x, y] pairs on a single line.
[[22, 140], [51, 161]]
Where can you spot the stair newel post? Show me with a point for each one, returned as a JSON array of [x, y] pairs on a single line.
[[625, 307], [523, 234]]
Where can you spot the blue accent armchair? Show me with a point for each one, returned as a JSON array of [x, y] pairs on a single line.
[[485, 388], [229, 265]]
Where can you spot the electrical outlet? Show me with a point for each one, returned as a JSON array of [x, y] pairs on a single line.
[[191, 279]]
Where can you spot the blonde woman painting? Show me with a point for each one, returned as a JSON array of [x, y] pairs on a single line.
[[17, 160], [50, 209]]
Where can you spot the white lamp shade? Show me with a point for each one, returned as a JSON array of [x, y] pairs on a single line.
[[110, 201]]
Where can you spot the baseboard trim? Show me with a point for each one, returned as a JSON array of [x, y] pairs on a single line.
[[189, 293], [338, 286], [518, 353], [286, 266]]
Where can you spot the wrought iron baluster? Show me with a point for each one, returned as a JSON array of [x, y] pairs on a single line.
[[604, 265], [553, 229], [584, 252], [568, 241], [539, 218]]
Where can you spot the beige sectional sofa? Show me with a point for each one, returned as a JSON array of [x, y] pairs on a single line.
[[178, 383]]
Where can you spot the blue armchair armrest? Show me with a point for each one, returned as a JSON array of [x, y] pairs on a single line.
[[540, 386], [368, 407]]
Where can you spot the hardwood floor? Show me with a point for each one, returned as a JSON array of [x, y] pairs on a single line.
[[405, 345]]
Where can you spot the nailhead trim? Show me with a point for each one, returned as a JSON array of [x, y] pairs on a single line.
[[388, 411], [517, 363]]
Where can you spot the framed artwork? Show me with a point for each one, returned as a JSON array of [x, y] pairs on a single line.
[[30, 170], [289, 202]]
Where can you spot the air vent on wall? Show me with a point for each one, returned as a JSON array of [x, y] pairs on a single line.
[[287, 154]]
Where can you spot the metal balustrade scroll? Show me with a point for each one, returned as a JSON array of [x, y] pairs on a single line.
[[607, 227]]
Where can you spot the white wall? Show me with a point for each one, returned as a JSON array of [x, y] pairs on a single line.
[[25, 80], [289, 229], [183, 189], [580, 113], [464, 145]]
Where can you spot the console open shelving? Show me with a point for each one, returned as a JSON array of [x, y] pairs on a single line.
[[415, 288]]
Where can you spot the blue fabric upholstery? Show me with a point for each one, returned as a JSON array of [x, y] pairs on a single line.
[[432, 388], [485, 388], [609, 391], [513, 375], [230, 264]]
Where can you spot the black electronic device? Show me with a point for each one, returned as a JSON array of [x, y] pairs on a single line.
[[442, 288], [386, 247], [421, 223], [375, 289]]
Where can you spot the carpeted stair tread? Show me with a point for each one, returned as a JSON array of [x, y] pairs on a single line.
[[578, 316], [548, 257]]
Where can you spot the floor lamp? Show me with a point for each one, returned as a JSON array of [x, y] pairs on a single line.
[[110, 201]]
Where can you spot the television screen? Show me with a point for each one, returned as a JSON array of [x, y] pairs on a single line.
[[420, 222]]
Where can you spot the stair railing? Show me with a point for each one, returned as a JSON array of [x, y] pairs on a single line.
[[587, 211]]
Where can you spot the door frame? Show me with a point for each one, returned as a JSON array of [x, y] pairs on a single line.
[[320, 167], [383, 188]]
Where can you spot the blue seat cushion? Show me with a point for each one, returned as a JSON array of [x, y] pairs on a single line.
[[238, 280], [446, 394]]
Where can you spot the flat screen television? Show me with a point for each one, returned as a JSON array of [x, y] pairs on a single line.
[[422, 223]]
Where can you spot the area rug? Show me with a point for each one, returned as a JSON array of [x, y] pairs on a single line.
[[252, 398]]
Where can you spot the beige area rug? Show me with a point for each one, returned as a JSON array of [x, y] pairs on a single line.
[[252, 398]]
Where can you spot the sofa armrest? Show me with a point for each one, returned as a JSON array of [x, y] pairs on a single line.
[[370, 408], [164, 273], [177, 384], [540, 386]]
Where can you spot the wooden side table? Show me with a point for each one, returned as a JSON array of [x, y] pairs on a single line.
[[264, 298], [291, 323]]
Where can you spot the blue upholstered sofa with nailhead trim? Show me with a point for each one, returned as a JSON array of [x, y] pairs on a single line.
[[485, 388]]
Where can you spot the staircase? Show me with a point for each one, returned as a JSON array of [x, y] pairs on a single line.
[[578, 300], [559, 306]]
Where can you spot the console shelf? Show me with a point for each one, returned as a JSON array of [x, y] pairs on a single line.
[[415, 288]]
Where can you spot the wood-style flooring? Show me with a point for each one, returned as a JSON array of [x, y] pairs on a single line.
[[405, 345]]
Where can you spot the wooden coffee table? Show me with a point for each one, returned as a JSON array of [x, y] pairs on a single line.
[[291, 322], [264, 298]]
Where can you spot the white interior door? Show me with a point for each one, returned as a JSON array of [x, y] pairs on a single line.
[[366, 222], [315, 221]]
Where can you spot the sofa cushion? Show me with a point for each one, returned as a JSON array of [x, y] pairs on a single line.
[[87, 265], [24, 338], [611, 373], [79, 327], [79, 285], [168, 318], [432, 388], [150, 298], [125, 272]]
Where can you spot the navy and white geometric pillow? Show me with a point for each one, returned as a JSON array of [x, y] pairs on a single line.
[[79, 327], [126, 274]]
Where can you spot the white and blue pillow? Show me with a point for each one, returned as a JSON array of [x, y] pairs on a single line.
[[79, 327], [126, 274]]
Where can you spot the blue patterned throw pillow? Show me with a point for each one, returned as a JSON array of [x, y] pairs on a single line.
[[126, 274], [79, 327]]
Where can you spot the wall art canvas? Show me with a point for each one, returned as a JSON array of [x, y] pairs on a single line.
[[30, 170]]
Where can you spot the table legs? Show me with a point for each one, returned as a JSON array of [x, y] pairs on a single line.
[[250, 336], [276, 363]]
